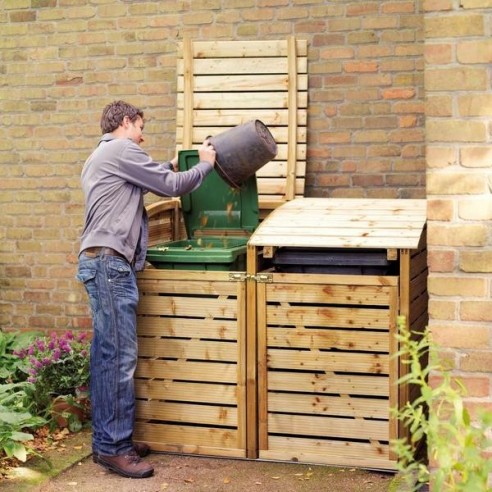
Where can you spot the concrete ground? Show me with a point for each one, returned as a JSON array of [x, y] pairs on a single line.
[[73, 470]]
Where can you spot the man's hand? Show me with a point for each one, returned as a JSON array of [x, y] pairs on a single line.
[[174, 162], [207, 152]]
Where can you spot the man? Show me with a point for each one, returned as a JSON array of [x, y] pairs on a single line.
[[113, 246]]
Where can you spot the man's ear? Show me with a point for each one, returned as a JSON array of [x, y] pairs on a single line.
[[126, 122]]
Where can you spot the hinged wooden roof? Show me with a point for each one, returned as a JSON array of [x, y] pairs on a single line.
[[344, 223]]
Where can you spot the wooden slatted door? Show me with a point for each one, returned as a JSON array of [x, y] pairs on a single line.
[[190, 379], [325, 376], [222, 84]]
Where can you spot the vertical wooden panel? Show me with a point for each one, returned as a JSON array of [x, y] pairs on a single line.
[[322, 328], [191, 376]]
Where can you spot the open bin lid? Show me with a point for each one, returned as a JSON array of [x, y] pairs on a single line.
[[215, 208], [344, 223]]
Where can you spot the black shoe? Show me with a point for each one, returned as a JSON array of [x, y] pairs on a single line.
[[128, 465]]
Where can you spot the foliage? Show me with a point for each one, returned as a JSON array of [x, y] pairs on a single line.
[[15, 420], [456, 445], [12, 369], [57, 365]]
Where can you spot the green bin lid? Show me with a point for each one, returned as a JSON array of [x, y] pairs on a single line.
[[215, 207]]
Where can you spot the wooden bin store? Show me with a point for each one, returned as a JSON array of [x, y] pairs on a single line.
[[286, 365], [326, 377]]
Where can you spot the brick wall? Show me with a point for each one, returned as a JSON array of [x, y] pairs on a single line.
[[62, 61], [458, 57]]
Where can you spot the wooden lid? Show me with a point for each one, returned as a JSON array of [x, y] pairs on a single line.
[[344, 223]]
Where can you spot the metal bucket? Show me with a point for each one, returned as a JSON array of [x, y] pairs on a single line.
[[242, 150]]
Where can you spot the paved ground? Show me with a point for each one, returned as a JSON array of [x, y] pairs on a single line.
[[177, 473]]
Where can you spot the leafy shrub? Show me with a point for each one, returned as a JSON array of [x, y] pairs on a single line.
[[15, 420], [456, 445], [13, 369]]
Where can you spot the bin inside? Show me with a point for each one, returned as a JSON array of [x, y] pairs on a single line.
[[218, 219]]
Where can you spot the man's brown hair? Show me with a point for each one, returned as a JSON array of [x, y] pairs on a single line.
[[113, 114]]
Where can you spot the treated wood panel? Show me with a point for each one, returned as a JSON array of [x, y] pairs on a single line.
[[329, 383], [237, 65], [327, 361], [328, 293], [181, 435], [226, 48], [300, 425], [186, 328], [187, 413], [280, 133], [315, 404], [334, 452], [217, 372], [356, 318], [185, 287], [228, 117], [241, 100], [192, 392], [188, 349], [188, 307], [335, 223], [324, 339]]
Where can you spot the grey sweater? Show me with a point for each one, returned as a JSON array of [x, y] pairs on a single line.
[[114, 180]]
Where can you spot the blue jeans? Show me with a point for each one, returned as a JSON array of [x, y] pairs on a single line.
[[111, 285]]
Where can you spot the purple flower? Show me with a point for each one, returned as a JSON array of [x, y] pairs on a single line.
[[46, 361], [41, 345], [56, 354]]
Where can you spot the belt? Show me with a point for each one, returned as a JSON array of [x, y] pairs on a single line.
[[96, 251]]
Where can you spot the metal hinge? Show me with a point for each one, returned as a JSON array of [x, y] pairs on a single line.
[[238, 277], [260, 278], [263, 278]]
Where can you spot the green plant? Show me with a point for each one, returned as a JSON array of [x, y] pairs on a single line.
[[57, 365], [456, 444], [15, 420], [12, 369]]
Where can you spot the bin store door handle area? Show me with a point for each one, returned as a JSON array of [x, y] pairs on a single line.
[[241, 277]]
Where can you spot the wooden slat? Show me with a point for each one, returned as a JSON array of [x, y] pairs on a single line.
[[328, 405], [187, 413], [293, 121], [181, 435], [220, 101], [343, 453], [188, 307], [328, 361], [329, 383], [323, 339], [187, 328], [226, 48], [217, 372], [229, 117], [188, 88], [243, 65], [205, 277], [182, 286], [374, 295], [188, 349], [243, 82], [301, 425], [352, 318], [192, 392]]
